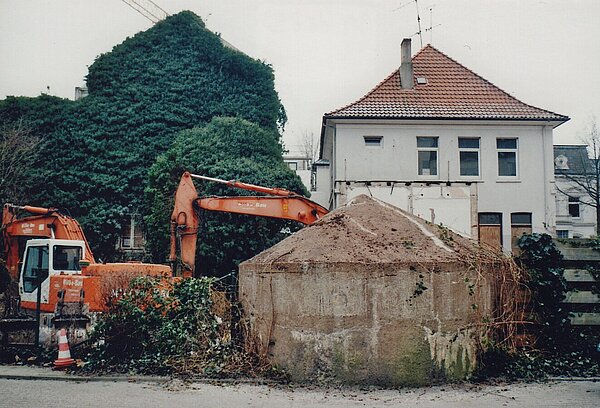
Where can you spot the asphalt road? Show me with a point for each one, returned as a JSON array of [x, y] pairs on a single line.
[[58, 393]]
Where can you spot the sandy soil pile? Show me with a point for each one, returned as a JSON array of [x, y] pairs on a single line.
[[367, 230]]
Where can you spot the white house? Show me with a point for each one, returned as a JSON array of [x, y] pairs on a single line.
[[441, 142], [572, 170]]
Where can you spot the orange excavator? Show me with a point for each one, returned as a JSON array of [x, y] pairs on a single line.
[[278, 203], [59, 281], [47, 253]]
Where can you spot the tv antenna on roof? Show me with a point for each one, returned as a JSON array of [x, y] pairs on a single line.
[[431, 26], [420, 32]]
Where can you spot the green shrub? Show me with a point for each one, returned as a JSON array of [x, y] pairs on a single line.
[[156, 322]]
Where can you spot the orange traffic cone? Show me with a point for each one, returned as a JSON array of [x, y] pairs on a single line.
[[64, 354]]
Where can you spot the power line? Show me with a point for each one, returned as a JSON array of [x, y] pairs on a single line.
[[403, 5], [148, 9]]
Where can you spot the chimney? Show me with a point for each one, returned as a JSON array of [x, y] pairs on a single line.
[[406, 67]]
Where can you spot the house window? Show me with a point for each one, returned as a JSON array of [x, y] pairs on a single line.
[[373, 141], [427, 151], [490, 229], [507, 157], [520, 223], [293, 165], [132, 236], [520, 219], [562, 234], [574, 207], [468, 156]]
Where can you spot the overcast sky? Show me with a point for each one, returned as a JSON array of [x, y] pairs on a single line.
[[328, 53]]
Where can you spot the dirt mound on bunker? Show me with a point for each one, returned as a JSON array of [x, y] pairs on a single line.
[[367, 230]]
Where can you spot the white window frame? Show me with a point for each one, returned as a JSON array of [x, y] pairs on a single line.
[[437, 157], [470, 149], [370, 140], [508, 150]]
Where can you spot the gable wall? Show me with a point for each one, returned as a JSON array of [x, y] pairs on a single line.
[[456, 205]]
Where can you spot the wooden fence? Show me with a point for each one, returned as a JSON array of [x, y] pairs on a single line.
[[582, 267]]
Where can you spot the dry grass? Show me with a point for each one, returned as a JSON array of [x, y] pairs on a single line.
[[112, 287], [507, 324]]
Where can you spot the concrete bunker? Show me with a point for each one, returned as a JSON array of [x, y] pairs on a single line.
[[372, 295]]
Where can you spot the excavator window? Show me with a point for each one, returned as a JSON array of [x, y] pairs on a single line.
[[36, 267], [66, 258]]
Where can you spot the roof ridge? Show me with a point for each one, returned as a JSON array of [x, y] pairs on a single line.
[[428, 45]]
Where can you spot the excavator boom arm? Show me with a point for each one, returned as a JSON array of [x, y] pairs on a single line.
[[290, 208], [282, 204], [280, 192]]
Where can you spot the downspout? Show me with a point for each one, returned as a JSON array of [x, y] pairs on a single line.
[[548, 179], [333, 167]]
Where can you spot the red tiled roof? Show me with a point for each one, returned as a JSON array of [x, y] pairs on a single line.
[[452, 92]]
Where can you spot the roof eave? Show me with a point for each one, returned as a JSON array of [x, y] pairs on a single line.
[[554, 121]]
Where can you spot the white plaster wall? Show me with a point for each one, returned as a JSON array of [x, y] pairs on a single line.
[[531, 191], [439, 204], [449, 206], [323, 183]]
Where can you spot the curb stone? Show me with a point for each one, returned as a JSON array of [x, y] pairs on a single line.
[[591, 379], [39, 373]]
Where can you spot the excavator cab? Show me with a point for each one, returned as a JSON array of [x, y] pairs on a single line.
[[45, 258]]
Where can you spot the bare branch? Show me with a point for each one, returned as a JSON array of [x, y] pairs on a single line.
[[309, 146], [18, 148]]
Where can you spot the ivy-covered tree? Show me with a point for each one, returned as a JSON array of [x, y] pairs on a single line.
[[226, 148], [24, 145], [95, 152]]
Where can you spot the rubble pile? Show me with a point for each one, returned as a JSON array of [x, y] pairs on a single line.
[[367, 230]]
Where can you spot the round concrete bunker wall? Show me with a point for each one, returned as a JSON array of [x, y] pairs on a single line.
[[369, 294]]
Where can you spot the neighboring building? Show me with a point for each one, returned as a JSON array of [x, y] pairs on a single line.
[[574, 218], [301, 163], [81, 92], [441, 142]]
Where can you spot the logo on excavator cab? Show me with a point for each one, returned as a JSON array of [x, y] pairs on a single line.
[[28, 228], [73, 282]]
